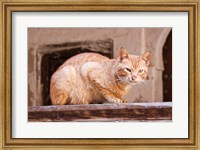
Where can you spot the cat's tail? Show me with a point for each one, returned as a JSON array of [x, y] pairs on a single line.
[[58, 97], [61, 81], [58, 94]]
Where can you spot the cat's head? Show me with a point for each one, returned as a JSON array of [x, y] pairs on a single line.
[[132, 68]]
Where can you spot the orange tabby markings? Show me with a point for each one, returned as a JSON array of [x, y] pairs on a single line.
[[92, 78]]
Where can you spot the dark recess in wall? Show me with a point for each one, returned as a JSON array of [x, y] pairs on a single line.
[[167, 73]]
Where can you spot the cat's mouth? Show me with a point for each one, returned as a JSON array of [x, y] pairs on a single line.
[[134, 82]]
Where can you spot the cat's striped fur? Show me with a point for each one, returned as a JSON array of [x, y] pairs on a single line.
[[92, 78]]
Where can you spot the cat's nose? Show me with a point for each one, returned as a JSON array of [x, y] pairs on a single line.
[[134, 77]]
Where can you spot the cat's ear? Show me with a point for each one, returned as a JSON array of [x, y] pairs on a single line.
[[146, 57], [123, 54]]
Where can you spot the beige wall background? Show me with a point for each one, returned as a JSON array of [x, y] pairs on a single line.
[[135, 40]]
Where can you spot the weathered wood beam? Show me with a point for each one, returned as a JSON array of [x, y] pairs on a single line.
[[102, 112]]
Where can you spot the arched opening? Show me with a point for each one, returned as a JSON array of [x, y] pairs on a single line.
[[167, 73]]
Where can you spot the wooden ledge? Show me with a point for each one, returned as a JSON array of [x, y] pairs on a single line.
[[102, 112]]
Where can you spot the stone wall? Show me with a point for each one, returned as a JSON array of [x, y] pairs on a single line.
[[135, 40]]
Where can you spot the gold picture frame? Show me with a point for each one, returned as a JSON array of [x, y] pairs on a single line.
[[9, 6]]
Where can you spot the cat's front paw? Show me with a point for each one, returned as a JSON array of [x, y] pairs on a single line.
[[124, 101], [118, 101], [114, 100]]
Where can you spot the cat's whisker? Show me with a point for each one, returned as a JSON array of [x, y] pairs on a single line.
[[140, 85]]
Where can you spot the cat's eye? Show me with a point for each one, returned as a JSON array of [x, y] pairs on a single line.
[[127, 69], [141, 71]]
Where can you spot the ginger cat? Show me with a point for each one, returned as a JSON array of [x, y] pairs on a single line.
[[92, 78]]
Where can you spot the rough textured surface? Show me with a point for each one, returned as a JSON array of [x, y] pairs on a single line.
[[102, 112]]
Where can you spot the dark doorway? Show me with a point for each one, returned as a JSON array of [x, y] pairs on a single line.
[[167, 73], [51, 61]]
